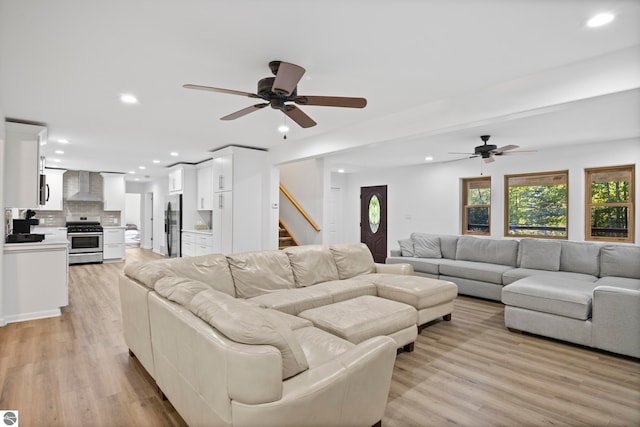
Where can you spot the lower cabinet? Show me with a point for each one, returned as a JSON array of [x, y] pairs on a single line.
[[113, 244], [196, 243]]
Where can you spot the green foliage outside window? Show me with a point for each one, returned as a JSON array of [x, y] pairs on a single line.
[[610, 203]]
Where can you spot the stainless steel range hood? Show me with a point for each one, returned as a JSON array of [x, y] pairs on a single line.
[[83, 194]]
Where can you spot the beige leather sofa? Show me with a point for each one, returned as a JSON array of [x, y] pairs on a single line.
[[223, 339]]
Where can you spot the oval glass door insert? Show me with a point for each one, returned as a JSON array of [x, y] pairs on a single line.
[[374, 214]]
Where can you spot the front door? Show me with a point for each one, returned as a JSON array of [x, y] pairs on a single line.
[[373, 220]]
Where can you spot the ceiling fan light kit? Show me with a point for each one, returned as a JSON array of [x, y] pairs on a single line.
[[283, 88]]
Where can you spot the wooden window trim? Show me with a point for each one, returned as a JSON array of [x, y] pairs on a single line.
[[465, 206], [588, 172], [506, 203]]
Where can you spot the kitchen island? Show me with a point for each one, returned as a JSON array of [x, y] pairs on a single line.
[[36, 279]]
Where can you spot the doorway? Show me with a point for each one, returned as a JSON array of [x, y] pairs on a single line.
[[373, 220]]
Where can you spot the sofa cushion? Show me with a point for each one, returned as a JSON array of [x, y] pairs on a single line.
[[147, 273], [180, 290], [320, 347], [311, 264], [248, 324], [554, 295], [341, 290], [256, 273], [352, 260], [406, 247], [511, 276], [427, 247], [210, 269], [448, 243], [294, 301], [492, 251], [619, 282], [580, 257], [539, 254], [481, 271], [618, 260], [418, 292]]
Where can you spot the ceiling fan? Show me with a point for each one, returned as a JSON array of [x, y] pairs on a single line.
[[279, 90], [487, 151]]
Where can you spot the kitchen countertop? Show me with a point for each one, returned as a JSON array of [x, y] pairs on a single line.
[[114, 226], [207, 232], [49, 243]]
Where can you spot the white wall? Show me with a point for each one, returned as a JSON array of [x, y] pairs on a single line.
[[426, 197], [133, 209], [160, 190], [305, 181]]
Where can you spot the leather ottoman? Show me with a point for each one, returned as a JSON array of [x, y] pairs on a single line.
[[361, 318]]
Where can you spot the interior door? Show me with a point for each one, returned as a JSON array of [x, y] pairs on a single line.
[[373, 220]]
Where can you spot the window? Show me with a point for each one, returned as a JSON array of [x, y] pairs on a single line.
[[476, 205], [610, 203], [536, 205]]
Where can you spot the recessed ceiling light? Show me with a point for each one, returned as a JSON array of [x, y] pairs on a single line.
[[142, 167], [63, 141], [156, 161], [132, 172], [340, 170], [59, 152], [283, 128], [43, 143], [55, 160], [600, 20], [128, 99], [428, 158], [137, 179], [173, 153]]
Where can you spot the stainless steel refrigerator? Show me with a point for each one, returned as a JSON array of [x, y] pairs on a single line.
[[173, 225]]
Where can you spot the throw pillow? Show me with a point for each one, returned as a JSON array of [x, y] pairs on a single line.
[[427, 247], [406, 247]]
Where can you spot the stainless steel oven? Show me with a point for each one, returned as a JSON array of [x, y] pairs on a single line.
[[85, 240]]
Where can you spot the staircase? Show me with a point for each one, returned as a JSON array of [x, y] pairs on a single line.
[[285, 238]]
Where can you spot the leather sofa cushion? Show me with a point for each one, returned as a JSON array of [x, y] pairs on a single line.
[[481, 271], [352, 260], [147, 273], [448, 243], [293, 301], [320, 347], [520, 273], [248, 324], [257, 273], [418, 292], [580, 257], [312, 264], [491, 251], [622, 261], [341, 290], [210, 269], [539, 254], [554, 295], [180, 290]]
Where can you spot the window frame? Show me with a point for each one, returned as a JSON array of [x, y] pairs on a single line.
[[465, 206], [507, 204], [588, 172]]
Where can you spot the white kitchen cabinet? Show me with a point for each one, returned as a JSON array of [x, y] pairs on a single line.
[[205, 186], [113, 191], [188, 245], [113, 245], [240, 180], [196, 243], [176, 176], [54, 189], [22, 165]]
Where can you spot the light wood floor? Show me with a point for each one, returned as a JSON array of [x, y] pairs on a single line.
[[74, 370]]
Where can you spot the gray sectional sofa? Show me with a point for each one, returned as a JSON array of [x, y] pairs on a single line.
[[585, 293]]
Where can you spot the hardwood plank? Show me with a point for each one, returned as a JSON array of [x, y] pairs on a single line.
[[75, 370]]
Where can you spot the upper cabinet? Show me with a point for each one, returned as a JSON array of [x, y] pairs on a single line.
[[22, 165], [54, 189], [205, 186], [223, 172], [176, 178], [113, 191]]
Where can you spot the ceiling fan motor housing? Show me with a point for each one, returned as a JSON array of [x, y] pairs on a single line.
[[264, 90]]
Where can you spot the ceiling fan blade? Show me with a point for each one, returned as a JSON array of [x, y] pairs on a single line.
[[331, 101], [244, 112], [217, 89], [489, 159], [298, 116], [287, 78], [505, 148], [510, 153], [471, 154], [462, 158]]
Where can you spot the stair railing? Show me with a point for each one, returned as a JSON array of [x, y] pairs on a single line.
[[299, 208]]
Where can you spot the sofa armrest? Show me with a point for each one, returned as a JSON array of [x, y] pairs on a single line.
[[402, 268], [616, 320], [395, 252], [351, 389]]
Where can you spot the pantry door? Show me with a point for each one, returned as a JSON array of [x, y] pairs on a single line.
[[373, 220]]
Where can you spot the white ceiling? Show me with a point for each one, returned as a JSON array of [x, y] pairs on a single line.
[[437, 74]]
